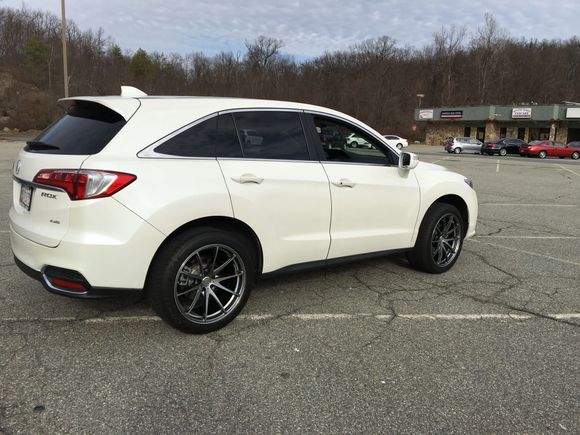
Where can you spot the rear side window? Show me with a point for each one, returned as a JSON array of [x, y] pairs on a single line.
[[86, 128], [227, 141], [271, 135], [196, 141]]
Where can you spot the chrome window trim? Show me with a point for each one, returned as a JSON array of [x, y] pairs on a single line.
[[260, 109]]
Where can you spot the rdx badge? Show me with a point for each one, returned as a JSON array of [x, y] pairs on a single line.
[[48, 195]]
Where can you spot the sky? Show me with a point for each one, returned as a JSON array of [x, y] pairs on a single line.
[[308, 28]]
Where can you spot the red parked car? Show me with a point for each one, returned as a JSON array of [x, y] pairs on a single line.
[[549, 148]]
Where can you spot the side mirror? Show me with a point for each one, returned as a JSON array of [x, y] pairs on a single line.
[[408, 160]]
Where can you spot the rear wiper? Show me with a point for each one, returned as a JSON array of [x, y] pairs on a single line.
[[39, 145]]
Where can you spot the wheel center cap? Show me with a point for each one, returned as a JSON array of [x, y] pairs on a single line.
[[206, 281]]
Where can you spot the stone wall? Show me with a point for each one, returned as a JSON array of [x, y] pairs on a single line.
[[562, 135], [437, 133]]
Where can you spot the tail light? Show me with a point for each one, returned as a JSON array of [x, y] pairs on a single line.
[[84, 184]]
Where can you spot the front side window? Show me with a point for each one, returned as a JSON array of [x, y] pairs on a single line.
[[271, 135], [342, 142]]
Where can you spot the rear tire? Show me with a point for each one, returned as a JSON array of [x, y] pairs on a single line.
[[202, 279], [400, 146], [502, 152], [457, 150], [542, 154], [439, 241]]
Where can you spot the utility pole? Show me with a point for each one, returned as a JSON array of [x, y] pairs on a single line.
[[64, 60], [419, 97]]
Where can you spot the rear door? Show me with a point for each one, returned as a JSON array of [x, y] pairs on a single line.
[[374, 203], [41, 213], [275, 185]]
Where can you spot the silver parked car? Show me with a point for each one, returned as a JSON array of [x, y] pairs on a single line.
[[459, 144]]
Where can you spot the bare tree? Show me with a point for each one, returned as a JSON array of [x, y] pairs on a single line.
[[487, 44]]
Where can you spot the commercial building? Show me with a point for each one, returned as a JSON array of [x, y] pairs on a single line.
[[559, 122]]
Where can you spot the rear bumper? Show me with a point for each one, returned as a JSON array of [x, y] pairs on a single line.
[[109, 246], [90, 293]]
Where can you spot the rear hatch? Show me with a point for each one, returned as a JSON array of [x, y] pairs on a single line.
[[41, 213]]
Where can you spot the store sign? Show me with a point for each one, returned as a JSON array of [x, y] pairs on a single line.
[[426, 114], [522, 113], [447, 114], [573, 112]]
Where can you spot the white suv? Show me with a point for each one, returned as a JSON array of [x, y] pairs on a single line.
[[165, 195]]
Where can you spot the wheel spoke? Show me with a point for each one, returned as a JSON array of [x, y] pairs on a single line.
[[228, 261], [199, 260], [447, 227], [221, 287], [223, 278], [206, 304], [217, 300], [217, 250], [199, 290], [189, 290]]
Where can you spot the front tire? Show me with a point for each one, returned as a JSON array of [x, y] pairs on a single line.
[[575, 155], [439, 241], [202, 279]]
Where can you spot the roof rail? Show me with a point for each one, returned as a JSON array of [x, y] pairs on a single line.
[[130, 91]]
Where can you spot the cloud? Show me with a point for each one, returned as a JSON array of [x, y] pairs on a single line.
[[308, 28]]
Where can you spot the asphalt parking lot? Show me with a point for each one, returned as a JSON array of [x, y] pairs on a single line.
[[491, 346]]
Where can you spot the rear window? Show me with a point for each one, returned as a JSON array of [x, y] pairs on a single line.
[[86, 128]]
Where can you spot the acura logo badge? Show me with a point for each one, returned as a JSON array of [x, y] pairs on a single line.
[[18, 165]]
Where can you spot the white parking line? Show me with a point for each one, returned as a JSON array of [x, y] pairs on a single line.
[[512, 204], [497, 166], [529, 237], [308, 317], [569, 170], [522, 251]]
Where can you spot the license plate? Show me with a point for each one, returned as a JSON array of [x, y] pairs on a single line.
[[25, 196]]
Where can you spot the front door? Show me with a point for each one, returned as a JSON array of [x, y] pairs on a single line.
[[374, 203]]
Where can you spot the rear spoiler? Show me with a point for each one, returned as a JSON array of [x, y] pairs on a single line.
[[125, 105]]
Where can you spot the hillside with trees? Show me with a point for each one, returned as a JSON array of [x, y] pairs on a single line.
[[375, 80]]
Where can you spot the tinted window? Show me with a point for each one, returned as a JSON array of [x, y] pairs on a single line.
[[196, 141], [342, 142], [271, 135], [227, 141], [85, 129]]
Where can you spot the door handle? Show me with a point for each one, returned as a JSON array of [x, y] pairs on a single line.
[[248, 178], [343, 182]]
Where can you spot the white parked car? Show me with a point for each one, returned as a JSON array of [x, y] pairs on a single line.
[[396, 141], [356, 141], [163, 195]]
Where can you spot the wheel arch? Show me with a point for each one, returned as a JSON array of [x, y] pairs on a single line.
[[459, 203], [221, 222]]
